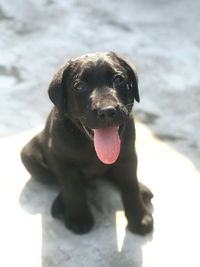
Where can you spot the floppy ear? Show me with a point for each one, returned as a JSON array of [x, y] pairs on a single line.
[[57, 90], [133, 78], [134, 81]]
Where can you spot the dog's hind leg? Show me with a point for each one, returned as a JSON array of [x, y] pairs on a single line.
[[34, 161]]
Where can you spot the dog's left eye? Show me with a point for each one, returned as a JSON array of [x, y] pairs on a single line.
[[118, 80], [81, 87]]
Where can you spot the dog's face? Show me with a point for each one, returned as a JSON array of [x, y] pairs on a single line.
[[97, 91]]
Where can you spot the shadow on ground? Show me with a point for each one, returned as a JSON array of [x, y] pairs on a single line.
[[60, 247]]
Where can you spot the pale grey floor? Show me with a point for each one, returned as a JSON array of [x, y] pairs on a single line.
[[162, 39]]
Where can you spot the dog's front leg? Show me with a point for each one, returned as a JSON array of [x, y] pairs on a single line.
[[124, 174], [71, 203]]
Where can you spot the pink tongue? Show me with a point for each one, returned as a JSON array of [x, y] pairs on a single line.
[[107, 144]]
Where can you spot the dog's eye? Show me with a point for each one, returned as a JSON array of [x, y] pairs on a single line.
[[81, 87], [118, 80]]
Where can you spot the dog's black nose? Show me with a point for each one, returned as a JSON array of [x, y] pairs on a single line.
[[108, 112]]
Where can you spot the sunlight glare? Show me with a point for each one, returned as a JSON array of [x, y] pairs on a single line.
[[121, 223]]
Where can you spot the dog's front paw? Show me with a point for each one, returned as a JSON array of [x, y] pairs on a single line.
[[79, 221], [146, 193], [79, 224], [57, 208], [142, 226]]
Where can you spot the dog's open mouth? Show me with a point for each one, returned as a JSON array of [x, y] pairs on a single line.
[[106, 142]]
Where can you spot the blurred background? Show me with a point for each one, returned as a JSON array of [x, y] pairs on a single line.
[[161, 38]]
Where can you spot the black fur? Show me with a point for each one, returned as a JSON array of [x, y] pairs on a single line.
[[92, 91]]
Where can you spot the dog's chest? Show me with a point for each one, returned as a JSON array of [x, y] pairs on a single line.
[[94, 170], [87, 161], [83, 156]]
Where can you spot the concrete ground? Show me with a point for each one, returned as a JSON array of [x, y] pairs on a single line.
[[162, 39]]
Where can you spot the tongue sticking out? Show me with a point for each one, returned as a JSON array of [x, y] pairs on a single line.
[[107, 144]]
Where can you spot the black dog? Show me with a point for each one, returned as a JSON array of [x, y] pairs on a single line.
[[90, 133]]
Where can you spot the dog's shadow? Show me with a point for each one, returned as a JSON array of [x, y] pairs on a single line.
[[100, 247]]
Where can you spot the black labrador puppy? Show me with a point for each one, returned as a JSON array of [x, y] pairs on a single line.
[[90, 133]]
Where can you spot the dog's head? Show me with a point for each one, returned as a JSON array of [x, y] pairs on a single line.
[[97, 91]]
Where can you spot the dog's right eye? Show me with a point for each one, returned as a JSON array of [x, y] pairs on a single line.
[[81, 87], [118, 80]]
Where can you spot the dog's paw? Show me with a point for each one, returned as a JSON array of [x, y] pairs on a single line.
[[80, 224], [57, 209], [146, 193], [143, 226]]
